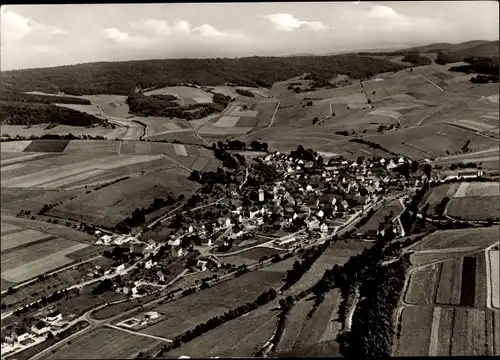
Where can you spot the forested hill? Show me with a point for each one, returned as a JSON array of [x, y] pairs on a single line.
[[122, 77]]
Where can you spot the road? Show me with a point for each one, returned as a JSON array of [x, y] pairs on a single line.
[[274, 114], [433, 83]]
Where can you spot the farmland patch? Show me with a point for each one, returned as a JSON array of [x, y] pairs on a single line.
[[467, 293], [459, 239], [99, 146], [468, 333], [415, 331], [494, 276], [7, 228], [47, 145], [187, 312], [481, 281], [450, 282], [478, 189], [110, 205], [104, 343], [15, 146], [241, 337], [422, 287], [226, 121], [40, 266], [442, 339], [180, 150], [474, 208], [21, 238]]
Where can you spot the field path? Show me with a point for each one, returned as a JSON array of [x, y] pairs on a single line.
[[138, 333], [433, 83]]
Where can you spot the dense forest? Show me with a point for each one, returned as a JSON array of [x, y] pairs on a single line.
[[26, 113], [416, 59], [124, 77], [157, 105], [479, 65], [6, 95]]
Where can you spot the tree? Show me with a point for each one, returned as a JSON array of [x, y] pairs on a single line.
[[414, 166], [195, 176], [427, 169]]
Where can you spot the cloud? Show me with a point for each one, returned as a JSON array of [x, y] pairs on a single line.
[[382, 11], [125, 38], [182, 26], [160, 27], [15, 27], [386, 19], [288, 23], [206, 30]]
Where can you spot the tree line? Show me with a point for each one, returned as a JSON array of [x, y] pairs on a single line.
[[28, 113], [123, 77]]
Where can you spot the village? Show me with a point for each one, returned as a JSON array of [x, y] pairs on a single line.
[[310, 200]]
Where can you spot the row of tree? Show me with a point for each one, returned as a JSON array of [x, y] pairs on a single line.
[[138, 216], [300, 268]]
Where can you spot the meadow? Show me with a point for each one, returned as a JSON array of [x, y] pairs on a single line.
[[185, 313]]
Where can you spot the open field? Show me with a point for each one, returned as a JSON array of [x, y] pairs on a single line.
[[186, 313], [449, 239], [431, 140], [26, 262], [46, 178], [468, 333], [422, 286], [477, 189], [494, 266], [188, 95], [240, 337], [481, 281], [104, 343], [450, 282], [475, 208], [112, 204], [434, 197], [415, 331], [21, 239], [326, 261], [295, 322], [391, 210]]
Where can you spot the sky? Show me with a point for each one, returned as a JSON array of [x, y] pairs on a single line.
[[52, 35]]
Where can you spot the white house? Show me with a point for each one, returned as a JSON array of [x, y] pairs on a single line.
[[202, 265], [54, 316], [106, 239], [148, 264], [175, 242], [120, 267], [21, 335], [320, 214], [324, 228], [228, 222], [190, 229], [180, 252], [261, 195], [151, 315], [40, 328]]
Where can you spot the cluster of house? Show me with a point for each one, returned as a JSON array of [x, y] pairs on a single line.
[[115, 239], [37, 333]]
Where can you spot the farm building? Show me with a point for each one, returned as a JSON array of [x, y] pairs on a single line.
[[21, 335], [54, 316], [40, 328], [151, 315]]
